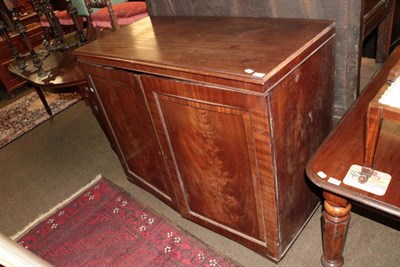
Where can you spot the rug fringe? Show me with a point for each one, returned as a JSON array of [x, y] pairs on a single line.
[[44, 215]]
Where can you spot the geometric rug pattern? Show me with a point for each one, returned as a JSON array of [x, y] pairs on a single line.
[[26, 113], [103, 225]]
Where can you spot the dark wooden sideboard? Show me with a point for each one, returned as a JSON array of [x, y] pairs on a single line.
[[217, 117]]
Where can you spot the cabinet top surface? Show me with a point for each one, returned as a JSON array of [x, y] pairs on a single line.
[[217, 46]]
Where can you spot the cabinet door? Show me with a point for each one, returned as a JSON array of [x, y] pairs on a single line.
[[122, 105], [219, 155]]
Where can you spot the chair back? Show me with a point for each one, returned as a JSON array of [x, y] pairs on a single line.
[[93, 5]]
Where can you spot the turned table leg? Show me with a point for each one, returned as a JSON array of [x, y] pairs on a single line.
[[335, 223], [39, 91]]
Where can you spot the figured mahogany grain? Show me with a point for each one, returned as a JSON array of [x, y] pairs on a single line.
[[210, 134]]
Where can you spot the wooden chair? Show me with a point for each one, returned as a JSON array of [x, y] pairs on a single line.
[[114, 13], [73, 17]]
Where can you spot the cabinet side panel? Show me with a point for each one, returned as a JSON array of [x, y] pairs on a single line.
[[301, 110]]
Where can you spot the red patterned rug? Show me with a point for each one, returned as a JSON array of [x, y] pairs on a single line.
[[28, 112], [104, 226]]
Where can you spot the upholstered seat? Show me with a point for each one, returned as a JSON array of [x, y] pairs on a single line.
[[62, 16], [112, 14], [126, 13]]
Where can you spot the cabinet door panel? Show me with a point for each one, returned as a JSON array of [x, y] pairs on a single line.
[[212, 143], [125, 110], [214, 170]]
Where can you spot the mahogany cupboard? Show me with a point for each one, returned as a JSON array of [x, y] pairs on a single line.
[[218, 116]]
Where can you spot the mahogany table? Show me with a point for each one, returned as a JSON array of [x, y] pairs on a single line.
[[63, 73], [345, 147]]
